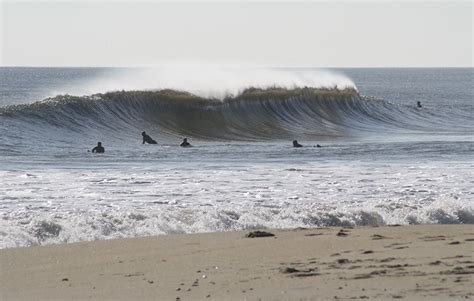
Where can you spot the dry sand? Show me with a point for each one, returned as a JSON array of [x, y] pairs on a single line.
[[425, 262]]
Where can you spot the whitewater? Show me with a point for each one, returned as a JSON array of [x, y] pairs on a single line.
[[383, 160]]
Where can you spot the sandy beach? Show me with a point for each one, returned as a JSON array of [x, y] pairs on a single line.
[[423, 262]]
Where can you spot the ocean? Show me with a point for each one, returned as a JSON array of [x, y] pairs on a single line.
[[383, 160]]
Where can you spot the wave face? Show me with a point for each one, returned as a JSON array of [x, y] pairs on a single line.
[[255, 114]]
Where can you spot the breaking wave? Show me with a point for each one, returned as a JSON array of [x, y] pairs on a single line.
[[254, 114]]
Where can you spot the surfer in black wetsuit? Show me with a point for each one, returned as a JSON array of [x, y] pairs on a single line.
[[147, 139], [185, 143], [418, 104], [296, 144], [99, 148]]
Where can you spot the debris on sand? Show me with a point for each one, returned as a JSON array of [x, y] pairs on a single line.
[[255, 234]]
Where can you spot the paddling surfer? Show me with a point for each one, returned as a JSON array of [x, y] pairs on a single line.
[[296, 144], [99, 148], [185, 143], [147, 139]]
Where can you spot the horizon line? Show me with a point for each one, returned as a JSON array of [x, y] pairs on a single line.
[[248, 67]]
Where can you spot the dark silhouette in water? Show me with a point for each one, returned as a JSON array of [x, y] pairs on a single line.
[[296, 144], [147, 139], [185, 143], [99, 148], [317, 145], [418, 104]]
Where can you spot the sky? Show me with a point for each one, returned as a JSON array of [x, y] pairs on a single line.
[[267, 33]]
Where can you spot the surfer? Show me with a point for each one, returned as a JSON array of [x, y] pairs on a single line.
[[317, 145], [418, 104], [99, 148], [185, 143], [147, 139], [296, 144]]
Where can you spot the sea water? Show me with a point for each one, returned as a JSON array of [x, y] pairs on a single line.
[[383, 160]]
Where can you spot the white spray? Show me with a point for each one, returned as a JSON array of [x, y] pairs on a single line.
[[211, 81]]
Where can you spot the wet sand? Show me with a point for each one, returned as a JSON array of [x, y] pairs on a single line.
[[423, 262]]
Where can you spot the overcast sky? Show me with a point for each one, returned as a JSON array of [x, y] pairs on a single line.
[[309, 34]]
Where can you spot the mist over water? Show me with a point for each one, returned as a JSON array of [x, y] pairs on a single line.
[[210, 82]]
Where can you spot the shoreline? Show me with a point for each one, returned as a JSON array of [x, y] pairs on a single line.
[[413, 262]]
